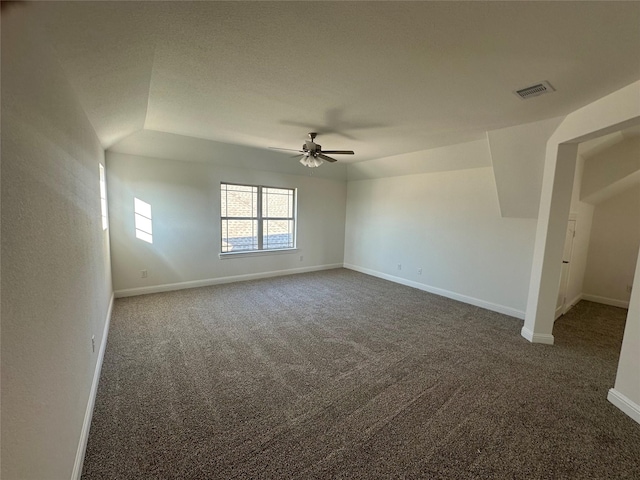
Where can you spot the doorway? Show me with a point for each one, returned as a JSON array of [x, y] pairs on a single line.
[[561, 305]]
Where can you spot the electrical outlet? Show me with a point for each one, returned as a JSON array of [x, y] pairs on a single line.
[[399, 266], [143, 274], [93, 343], [419, 271], [301, 257]]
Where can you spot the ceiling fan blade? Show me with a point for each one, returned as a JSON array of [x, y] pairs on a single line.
[[288, 149], [339, 152], [324, 157]]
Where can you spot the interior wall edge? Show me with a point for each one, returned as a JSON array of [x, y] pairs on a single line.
[[512, 312]]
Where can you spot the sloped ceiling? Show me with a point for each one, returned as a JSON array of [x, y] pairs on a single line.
[[595, 147], [611, 166], [381, 78]]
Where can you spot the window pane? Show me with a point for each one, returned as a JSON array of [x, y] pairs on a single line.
[[239, 235], [245, 228], [103, 207], [277, 202], [103, 190], [103, 197], [239, 201], [277, 234]]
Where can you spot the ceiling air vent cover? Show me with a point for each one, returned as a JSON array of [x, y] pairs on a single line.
[[535, 90]]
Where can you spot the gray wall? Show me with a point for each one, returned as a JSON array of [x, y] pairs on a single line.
[[185, 202], [613, 248], [56, 282], [449, 225]]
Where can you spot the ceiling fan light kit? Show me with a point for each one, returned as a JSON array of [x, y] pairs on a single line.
[[311, 162], [312, 153]]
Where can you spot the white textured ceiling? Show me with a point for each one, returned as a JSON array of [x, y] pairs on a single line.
[[381, 78]]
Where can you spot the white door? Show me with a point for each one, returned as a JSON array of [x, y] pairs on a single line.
[[561, 304]]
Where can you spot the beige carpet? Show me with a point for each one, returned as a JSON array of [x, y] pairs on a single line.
[[337, 374]]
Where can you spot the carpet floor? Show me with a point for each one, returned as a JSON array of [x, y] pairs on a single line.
[[337, 374]]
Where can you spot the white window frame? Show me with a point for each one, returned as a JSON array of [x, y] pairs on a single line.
[[103, 198], [260, 219]]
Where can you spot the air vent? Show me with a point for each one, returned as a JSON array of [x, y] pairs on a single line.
[[535, 90]]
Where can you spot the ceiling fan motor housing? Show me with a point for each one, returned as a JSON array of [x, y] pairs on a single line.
[[312, 147]]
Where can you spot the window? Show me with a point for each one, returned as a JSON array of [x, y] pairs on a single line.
[[142, 215], [103, 198], [256, 218]]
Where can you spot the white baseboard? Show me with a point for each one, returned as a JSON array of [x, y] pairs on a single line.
[[512, 312], [563, 309], [544, 338], [606, 301], [573, 302], [559, 313], [130, 292], [625, 404], [88, 414]]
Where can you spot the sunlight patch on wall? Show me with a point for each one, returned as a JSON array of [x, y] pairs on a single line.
[[142, 211]]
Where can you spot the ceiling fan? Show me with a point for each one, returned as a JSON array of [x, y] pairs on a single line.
[[312, 153]]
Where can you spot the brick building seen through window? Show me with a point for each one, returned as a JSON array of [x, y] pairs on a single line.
[[256, 218]]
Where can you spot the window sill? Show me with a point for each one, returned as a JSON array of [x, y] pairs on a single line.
[[256, 253]]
